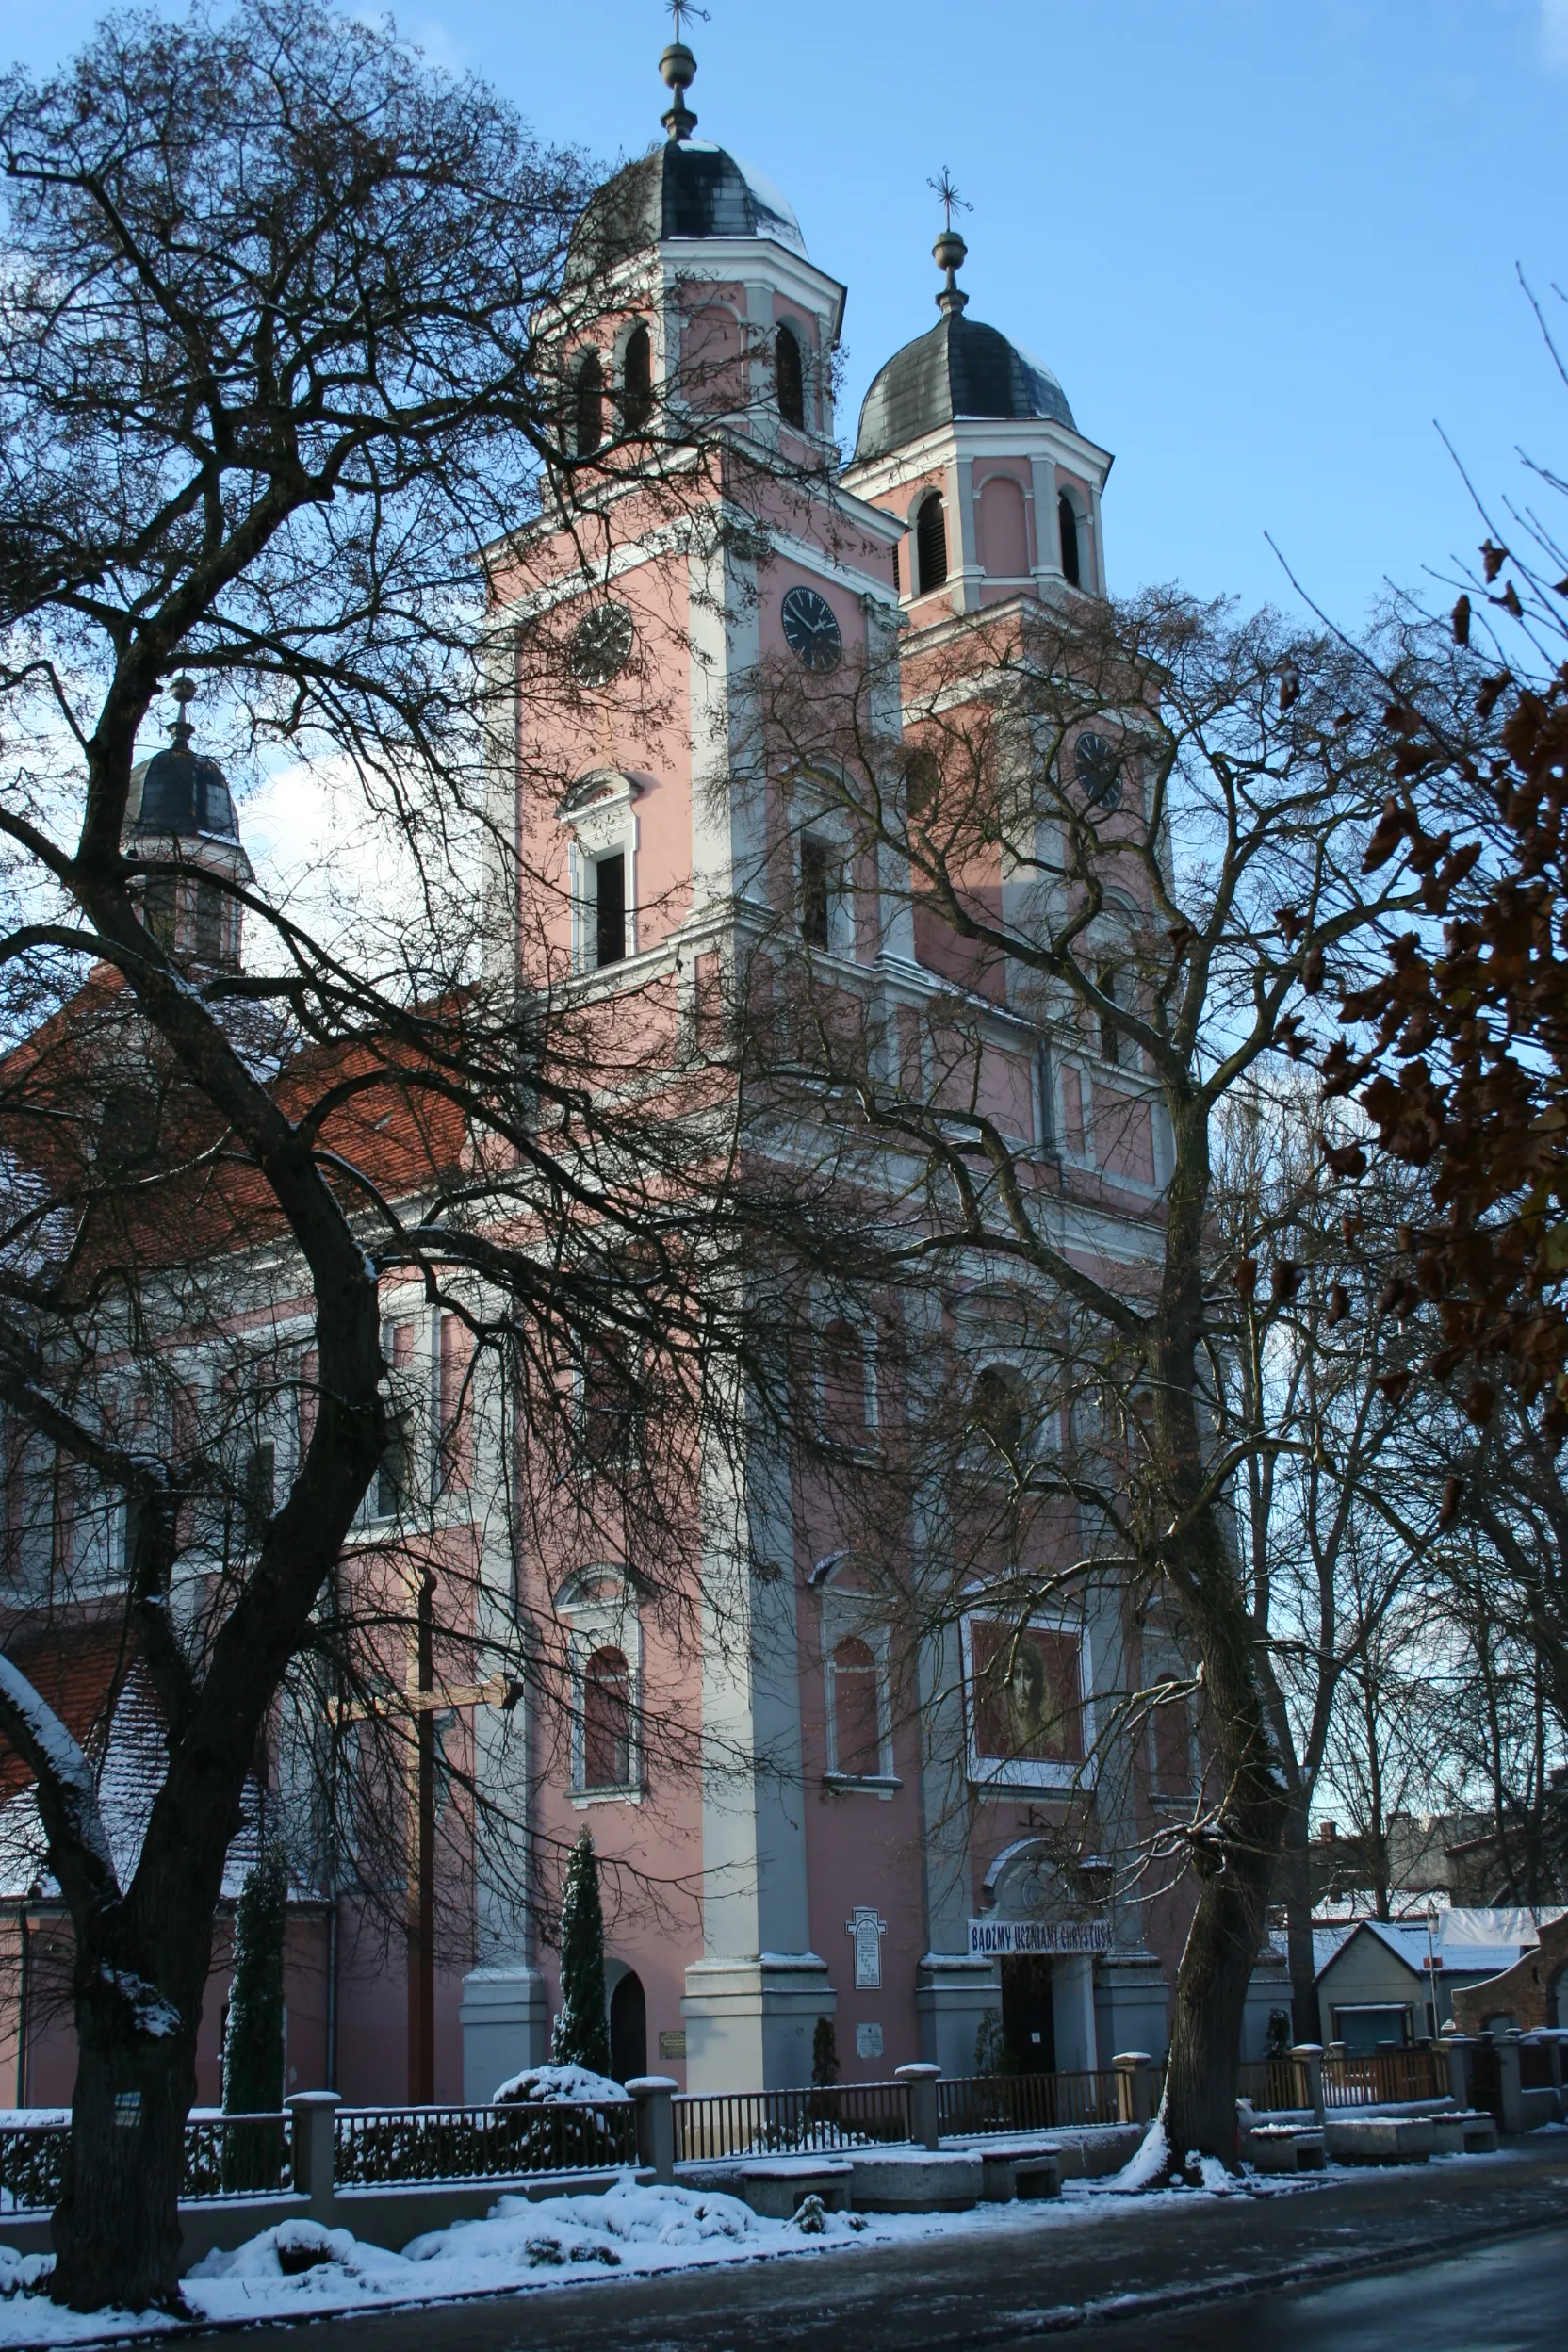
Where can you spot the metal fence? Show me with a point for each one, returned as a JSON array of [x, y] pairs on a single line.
[[32, 2165], [976, 2104], [379, 2145], [1378, 2078], [809, 2122], [224, 2156]]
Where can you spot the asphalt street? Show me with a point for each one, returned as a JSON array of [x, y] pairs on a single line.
[[1508, 2296], [1488, 2239]]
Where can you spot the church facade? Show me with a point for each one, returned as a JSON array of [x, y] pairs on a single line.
[[879, 1851]]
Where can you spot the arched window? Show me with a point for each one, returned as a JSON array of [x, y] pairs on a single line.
[[606, 1721], [930, 544], [789, 376], [589, 405], [843, 1385], [637, 381], [1067, 518], [856, 1721]]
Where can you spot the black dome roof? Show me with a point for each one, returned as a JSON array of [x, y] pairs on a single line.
[[961, 369], [683, 187], [177, 790]]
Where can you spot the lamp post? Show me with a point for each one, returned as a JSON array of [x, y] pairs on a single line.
[[1431, 1969]]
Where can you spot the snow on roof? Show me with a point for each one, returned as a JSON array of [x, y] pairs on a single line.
[[1469, 1941], [135, 1755]]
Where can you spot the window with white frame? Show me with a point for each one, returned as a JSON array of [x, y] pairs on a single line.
[[602, 820], [604, 1646], [858, 1744], [846, 1392], [1172, 1749], [856, 1683], [1026, 1683]]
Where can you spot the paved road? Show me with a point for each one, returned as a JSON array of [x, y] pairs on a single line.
[[1031, 2277], [1508, 2296]]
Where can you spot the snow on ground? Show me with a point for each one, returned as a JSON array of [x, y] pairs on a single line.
[[298, 2270]]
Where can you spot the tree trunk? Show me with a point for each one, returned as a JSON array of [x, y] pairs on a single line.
[[1296, 1886], [116, 2228], [1236, 1862]]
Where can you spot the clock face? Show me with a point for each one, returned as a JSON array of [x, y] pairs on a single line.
[[1099, 765], [601, 645], [812, 628]]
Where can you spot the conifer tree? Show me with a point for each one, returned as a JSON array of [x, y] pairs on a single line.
[[581, 2035], [252, 2047], [825, 2055]]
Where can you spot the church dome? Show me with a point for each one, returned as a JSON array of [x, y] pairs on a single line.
[[180, 790], [684, 189], [960, 368]]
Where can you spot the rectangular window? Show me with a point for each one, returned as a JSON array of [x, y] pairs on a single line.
[[310, 1382], [209, 921], [1171, 1746], [1110, 1028], [392, 1470], [1028, 1700], [260, 1488], [609, 910], [855, 1710], [160, 906], [456, 1464], [816, 893]]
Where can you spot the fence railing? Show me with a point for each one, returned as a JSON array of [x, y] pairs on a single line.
[[1377, 2077], [975, 2104], [788, 2123], [32, 2165], [378, 2145], [224, 2156], [1272, 2082]]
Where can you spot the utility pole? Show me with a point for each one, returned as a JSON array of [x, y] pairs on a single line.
[[421, 1860]]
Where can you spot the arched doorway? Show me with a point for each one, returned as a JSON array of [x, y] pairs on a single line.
[[629, 2028]]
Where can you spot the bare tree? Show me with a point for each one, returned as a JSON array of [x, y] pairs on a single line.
[[1131, 837], [281, 346]]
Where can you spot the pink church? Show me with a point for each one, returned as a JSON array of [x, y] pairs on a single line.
[[851, 1881], [896, 1872]]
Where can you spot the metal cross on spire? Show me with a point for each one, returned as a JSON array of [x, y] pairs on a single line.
[[944, 188], [678, 66], [949, 250]]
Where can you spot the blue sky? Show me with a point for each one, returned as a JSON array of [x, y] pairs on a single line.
[[1264, 243]]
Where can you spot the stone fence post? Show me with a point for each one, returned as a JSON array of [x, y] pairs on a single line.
[[315, 2150], [1549, 2042], [1459, 2050], [921, 2079], [1307, 2059], [1511, 2089], [654, 2095], [1135, 2086]]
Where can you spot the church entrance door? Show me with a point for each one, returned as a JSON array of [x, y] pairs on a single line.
[[1028, 2014]]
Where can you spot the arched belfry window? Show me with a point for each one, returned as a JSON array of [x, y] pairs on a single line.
[[930, 544], [637, 381], [607, 1721], [1067, 513], [589, 405], [789, 375]]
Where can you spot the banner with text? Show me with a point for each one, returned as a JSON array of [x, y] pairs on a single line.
[[996, 1938]]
